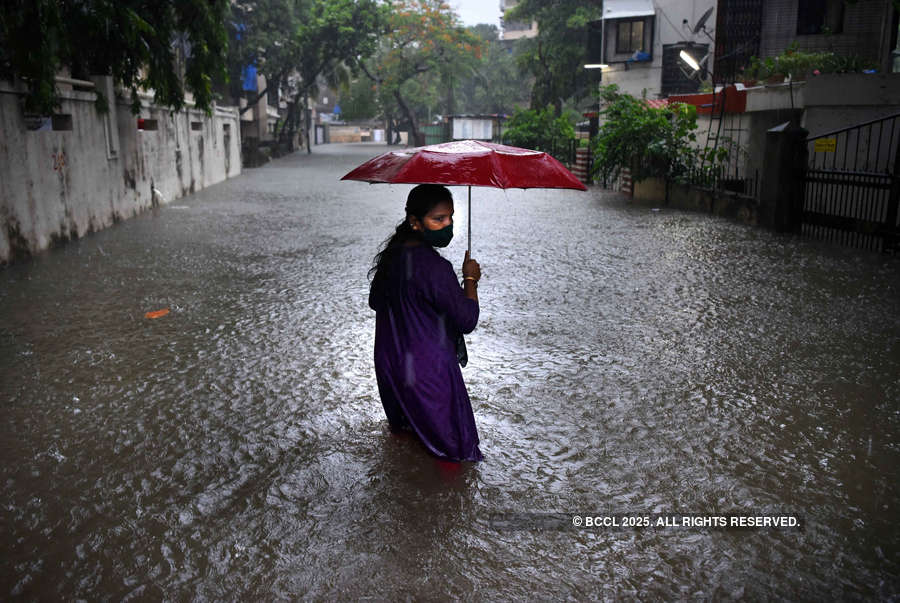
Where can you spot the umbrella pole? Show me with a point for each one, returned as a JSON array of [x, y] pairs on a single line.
[[470, 220]]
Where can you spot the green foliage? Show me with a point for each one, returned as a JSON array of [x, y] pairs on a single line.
[[263, 33], [424, 50], [140, 43], [436, 66], [309, 38], [496, 83], [539, 129], [335, 32], [296, 44], [556, 56], [650, 141], [800, 64], [359, 100]]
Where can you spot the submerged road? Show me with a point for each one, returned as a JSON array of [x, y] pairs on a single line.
[[628, 362]]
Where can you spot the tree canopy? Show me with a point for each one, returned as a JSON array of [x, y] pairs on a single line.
[[556, 56], [539, 129], [650, 141], [263, 34], [496, 83], [137, 42], [295, 43], [424, 39]]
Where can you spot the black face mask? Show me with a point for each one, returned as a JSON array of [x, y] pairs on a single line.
[[438, 238]]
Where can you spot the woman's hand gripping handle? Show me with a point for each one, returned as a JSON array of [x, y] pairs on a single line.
[[471, 275]]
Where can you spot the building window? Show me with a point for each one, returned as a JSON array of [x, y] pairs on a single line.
[[820, 16], [629, 36]]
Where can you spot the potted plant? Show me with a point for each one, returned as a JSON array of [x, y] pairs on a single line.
[[772, 72], [750, 73]]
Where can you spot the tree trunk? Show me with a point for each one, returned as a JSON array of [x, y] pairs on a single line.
[[389, 135], [308, 113], [286, 135], [450, 108], [418, 139], [256, 100], [275, 83]]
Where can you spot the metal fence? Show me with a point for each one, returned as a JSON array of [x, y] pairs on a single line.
[[724, 179], [435, 134], [852, 185], [561, 150]]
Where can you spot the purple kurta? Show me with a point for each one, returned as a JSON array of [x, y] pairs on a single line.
[[420, 309]]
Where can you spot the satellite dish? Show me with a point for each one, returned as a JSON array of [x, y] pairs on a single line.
[[702, 21]]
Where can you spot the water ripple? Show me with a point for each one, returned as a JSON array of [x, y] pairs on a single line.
[[625, 361]]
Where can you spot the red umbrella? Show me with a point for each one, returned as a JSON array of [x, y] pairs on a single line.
[[468, 163]]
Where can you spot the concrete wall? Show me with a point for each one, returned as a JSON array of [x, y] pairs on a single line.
[[821, 104], [747, 131], [652, 192], [840, 100], [61, 184], [344, 133]]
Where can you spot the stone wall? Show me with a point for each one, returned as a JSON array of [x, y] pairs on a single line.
[[82, 171]]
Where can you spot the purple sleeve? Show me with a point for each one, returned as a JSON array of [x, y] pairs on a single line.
[[444, 293]]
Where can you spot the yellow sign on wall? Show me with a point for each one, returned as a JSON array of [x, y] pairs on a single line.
[[825, 145]]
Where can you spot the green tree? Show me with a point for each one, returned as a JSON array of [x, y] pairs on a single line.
[[556, 56], [650, 141], [359, 99], [137, 42], [540, 129], [424, 40], [334, 37], [297, 43], [263, 33], [496, 83]]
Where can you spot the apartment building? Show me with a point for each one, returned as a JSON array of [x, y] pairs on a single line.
[[512, 30]]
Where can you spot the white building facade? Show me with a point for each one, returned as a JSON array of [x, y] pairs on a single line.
[[641, 41]]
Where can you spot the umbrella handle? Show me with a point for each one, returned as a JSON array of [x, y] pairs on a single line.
[[470, 221]]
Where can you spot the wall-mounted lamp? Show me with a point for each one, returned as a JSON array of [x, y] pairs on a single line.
[[697, 67], [687, 58], [596, 66]]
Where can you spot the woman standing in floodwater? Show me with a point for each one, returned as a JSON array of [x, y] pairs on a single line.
[[420, 312]]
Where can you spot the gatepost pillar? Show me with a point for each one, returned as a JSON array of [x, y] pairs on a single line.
[[784, 166]]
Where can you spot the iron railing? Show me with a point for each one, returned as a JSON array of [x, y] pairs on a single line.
[[851, 187], [561, 150], [729, 179]]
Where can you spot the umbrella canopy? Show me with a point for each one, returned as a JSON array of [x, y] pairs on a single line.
[[468, 163]]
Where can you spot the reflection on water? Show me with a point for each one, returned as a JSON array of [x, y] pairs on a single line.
[[626, 361]]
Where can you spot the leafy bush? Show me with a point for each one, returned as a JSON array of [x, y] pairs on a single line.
[[539, 129], [650, 141]]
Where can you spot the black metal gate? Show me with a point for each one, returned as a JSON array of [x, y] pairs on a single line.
[[852, 185]]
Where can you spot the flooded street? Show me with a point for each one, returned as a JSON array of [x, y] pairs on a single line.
[[627, 361]]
